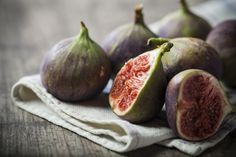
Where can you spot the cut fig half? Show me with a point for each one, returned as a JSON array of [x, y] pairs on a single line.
[[195, 104], [138, 90]]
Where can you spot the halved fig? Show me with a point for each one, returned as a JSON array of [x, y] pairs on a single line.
[[195, 104], [138, 91]]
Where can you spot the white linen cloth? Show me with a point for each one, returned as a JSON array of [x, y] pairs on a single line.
[[94, 120]]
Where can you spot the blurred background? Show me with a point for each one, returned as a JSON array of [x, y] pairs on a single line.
[[28, 28]]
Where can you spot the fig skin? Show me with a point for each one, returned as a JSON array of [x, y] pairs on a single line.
[[75, 69], [222, 38], [188, 53], [174, 104], [183, 23], [127, 41], [150, 98]]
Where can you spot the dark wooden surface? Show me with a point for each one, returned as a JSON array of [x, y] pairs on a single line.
[[28, 28]]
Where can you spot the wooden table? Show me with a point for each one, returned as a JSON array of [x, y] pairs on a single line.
[[28, 28]]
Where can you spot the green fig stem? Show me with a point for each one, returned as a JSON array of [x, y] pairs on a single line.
[[166, 47], [138, 19], [184, 6], [83, 30], [153, 43], [163, 49], [83, 34]]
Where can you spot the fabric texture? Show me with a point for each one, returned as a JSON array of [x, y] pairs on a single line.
[[94, 119]]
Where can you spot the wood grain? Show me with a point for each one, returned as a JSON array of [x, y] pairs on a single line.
[[28, 28]]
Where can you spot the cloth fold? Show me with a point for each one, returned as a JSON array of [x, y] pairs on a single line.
[[94, 120]]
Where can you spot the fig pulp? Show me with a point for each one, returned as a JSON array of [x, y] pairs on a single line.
[[137, 94], [183, 23], [223, 39], [189, 53], [127, 41], [76, 68], [195, 104]]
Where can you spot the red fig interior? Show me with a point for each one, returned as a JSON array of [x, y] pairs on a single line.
[[200, 108], [129, 80]]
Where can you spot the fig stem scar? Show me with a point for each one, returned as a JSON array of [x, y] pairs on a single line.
[[138, 18]]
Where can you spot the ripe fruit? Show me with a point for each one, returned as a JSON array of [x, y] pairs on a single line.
[[127, 41], [76, 68], [138, 91], [189, 53], [183, 23], [195, 104], [223, 39]]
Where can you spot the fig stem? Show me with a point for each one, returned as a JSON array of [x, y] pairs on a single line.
[[138, 18], [184, 6], [166, 47], [83, 30], [163, 49], [153, 43], [82, 34]]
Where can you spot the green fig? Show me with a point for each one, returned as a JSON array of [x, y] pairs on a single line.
[[76, 68], [138, 91], [183, 23]]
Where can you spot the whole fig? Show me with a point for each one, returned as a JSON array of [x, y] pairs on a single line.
[[195, 104], [138, 92], [189, 53], [76, 68], [127, 41], [223, 39], [183, 23]]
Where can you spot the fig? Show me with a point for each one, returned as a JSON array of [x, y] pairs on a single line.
[[138, 91], [183, 23], [189, 53], [223, 39], [195, 104], [127, 41], [76, 68]]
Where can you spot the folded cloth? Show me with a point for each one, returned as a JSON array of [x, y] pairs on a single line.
[[94, 120]]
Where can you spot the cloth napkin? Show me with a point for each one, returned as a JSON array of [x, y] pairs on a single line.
[[94, 120]]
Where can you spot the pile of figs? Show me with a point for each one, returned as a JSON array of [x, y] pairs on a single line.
[[173, 66]]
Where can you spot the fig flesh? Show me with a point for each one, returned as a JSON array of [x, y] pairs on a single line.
[[195, 104], [138, 91], [189, 53], [127, 41], [76, 68], [183, 23], [223, 39]]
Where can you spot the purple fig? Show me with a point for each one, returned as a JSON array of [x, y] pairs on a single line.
[[195, 104], [183, 23], [127, 41], [189, 53], [75, 69], [223, 39]]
